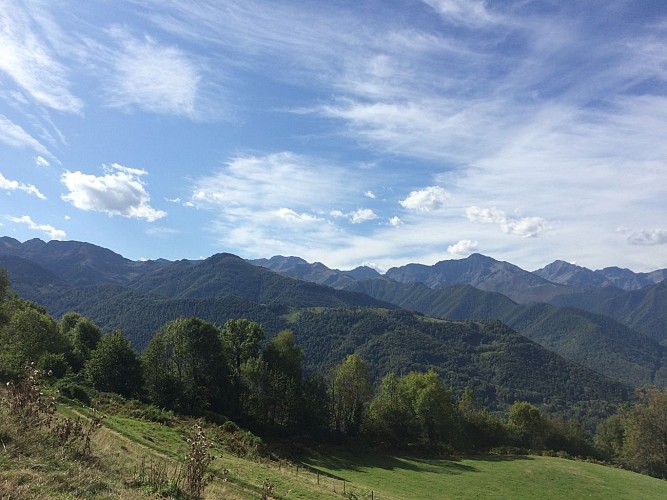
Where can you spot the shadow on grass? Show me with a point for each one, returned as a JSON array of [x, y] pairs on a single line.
[[361, 462]]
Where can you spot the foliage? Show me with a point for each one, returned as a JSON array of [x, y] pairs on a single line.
[[242, 340], [83, 336], [114, 366], [28, 334], [350, 392], [185, 367], [645, 434]]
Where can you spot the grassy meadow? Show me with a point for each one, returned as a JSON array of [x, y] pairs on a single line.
[[131, 455], [485, 477]]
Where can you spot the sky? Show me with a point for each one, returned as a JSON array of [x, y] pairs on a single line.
[[378, 132]]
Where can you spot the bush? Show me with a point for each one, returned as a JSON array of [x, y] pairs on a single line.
[[152, 413], [54, 365], [73, 390]]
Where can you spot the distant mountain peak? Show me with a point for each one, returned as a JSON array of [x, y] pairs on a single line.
[[566, 273]]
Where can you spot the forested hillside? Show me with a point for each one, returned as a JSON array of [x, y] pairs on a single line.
[[597, 342]]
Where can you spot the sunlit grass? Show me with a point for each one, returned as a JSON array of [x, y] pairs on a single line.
[[518, 477]]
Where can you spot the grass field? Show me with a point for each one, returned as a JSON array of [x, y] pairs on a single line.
[[528, 477], [125, 446]]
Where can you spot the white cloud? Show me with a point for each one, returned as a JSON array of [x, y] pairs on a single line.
[[648, 237], [253, 185], [153, 77], [292, 216], [370, 194], [128, 170], [463, 248], [362, 215], [52, 232], [426, 200], [15, 136], [526, 227], [396, 221], [465, 12], [119, 192], [41, 161], [15, 185], [30, 62], [356, 216]]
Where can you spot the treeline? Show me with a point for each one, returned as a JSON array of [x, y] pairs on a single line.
[[194, 367]]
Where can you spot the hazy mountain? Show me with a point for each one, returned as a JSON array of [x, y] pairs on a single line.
[[296, 267], [483, 273], [565, 273], [628, 280], [645, 310], [224, 274], [78, 262]]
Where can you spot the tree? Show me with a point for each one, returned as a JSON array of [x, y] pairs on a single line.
[[4, 283], [28, 334], [188, 356], [480, 429], [609, 436], [284, 360], [431, 401], [350, 392], [527, 420], [390, 417], [242, 340], [114, 366], [160, 383], [315, 413], [645, 438], [83, 336]]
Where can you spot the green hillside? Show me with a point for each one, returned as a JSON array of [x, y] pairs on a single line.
[[133, 457], [513, 477], [499, 364], [597, 342]]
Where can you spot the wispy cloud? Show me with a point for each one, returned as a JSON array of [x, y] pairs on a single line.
[[15, 185], [467, 12], [14, 135], [292, 216], [249, 185], [41, 161], [153, 77], [29, 61], [647, 237], [119, 192], [49, 230]]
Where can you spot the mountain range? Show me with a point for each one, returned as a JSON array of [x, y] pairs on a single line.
[[609, 324]]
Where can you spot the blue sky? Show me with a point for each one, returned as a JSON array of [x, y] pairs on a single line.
[[365, 132]]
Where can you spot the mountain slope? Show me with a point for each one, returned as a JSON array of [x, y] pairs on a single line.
[[78, 262], [224, 274], [296, 267], [501, 365], [595, 341], [564, 273]]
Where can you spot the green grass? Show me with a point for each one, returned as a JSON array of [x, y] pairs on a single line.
[[518, 477], [124, 443]]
